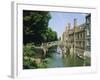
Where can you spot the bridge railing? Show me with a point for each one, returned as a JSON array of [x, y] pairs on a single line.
[[49, 44]]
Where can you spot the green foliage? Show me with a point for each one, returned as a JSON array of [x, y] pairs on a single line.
[[35, 32], [31, 56], [28, 50], [29, 64], [28, 53], [35, 27], [51, 35], [35, 24]]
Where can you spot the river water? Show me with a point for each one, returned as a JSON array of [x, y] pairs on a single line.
[[58, 59]]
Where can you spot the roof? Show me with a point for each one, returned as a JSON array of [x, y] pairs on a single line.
[[80, 28]]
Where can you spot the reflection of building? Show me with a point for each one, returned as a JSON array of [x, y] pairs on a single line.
[[78, 38]]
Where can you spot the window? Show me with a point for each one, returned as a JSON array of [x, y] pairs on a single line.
[[87, 43], [87, 31]]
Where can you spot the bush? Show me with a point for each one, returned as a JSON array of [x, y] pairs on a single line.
[[29, 64], [28, 50]]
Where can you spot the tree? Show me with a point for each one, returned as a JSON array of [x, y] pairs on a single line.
[[51, 35], [35, 25]]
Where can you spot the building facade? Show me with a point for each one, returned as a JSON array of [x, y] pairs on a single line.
[[88, 35], [78, 38]]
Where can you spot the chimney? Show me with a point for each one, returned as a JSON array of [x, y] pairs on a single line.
[[68, 27], [75, 22]]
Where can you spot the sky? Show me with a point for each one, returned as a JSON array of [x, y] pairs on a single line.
[[59, 20]]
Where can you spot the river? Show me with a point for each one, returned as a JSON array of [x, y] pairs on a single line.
[[58, 59]]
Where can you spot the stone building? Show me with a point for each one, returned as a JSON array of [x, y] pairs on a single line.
[[74, 38], [88, 35], [65, 35], [78, 38]]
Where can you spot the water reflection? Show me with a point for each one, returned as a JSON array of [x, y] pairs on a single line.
[[58, 59]]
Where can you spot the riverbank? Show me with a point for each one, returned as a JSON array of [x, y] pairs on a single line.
[[55, 58], [34, 57]]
